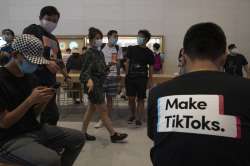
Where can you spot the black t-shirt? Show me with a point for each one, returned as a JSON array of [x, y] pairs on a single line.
[[139, 59], [51, 46], [74, 62], [200, 118], [13, 91], [234, 64]]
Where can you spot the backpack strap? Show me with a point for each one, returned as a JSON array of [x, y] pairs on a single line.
[[103, 45], [117, 48]]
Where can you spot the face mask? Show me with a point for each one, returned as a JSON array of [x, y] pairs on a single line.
[[140, 40], [98, 43], [113, 41], [48, 25], [27, 67]]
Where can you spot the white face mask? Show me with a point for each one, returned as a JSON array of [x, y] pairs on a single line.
[[98, 43], [48, 25]]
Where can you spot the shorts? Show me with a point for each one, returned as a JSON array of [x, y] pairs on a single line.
[[97, 95], [110, 86], [136, 87]]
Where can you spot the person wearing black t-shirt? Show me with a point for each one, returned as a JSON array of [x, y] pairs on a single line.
[[23, 140], [140, 60], [200, 118], [236, 62], [46, 74]]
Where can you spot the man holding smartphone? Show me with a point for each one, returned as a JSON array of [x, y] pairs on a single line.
[[23, 140]]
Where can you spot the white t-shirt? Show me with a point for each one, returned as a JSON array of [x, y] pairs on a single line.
[[111, 54]]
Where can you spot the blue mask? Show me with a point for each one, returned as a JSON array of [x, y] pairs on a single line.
[[113, 41], [140, 40], [27, 67]]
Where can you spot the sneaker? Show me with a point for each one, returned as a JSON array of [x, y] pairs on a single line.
[[118, 137], [131, 120], [138, 123], [98, 125], [90, 137]]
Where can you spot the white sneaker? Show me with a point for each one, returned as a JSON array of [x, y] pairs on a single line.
[[99, 124]]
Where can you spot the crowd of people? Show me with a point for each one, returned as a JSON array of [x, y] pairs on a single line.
[[199, 117]]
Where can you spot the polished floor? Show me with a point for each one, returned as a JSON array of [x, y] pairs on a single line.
[[133, 152]]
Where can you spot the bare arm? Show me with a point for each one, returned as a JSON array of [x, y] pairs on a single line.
[[8, 119], [150, 77], [38, 96], [246, 68], [126, 66]]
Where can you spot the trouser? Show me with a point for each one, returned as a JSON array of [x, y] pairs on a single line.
[[39, 148], [51, 113]]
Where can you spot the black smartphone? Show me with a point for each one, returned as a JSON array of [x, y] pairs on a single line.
[[56, 85]]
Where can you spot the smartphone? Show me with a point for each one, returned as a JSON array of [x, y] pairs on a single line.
[[56, 85]]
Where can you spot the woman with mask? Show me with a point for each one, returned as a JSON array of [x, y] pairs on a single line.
[[112, 54], [93, 74]]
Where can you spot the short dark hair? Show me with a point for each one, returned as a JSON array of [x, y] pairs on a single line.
[[84, 48], [68, 49], [146, 34], [205, 41], [231, 46], [111, 32], [157, 46], [8, 30], [180, 54], [93, 32], [50, 11]]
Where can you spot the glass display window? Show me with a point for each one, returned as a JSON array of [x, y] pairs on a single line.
[[126, 40], [70, 41]]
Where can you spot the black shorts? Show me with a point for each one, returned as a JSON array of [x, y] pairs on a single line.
[[136, 87], [97, 96]]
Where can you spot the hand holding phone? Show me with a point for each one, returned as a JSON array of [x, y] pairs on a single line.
[[56, 85]]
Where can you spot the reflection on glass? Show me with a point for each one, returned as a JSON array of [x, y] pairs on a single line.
[[62, 45], [73, 44], [132, 40]]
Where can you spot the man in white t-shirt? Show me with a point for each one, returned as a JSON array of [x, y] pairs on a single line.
[[112, 53]]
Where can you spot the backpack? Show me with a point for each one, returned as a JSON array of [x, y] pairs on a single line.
[[157, 62]]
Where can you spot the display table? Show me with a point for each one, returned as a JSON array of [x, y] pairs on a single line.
[[157, 78]]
